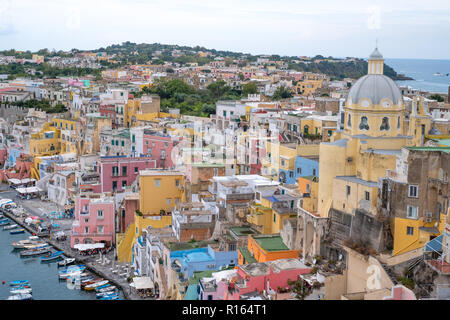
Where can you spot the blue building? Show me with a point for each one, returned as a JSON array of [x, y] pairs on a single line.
[[303, 167], [202, 259]]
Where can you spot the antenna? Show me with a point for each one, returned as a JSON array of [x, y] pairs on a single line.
[[376, 43]]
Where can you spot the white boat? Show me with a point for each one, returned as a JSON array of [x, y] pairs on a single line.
[[66, 262], [21, 290], [12, 226], [25, 296], [27, 244]]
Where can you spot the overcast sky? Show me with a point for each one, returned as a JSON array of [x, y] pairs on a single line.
[[404, 28]]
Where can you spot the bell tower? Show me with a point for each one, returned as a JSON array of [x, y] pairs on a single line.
[[376, 62]]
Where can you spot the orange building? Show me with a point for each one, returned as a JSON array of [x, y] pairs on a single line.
[[265, 247]]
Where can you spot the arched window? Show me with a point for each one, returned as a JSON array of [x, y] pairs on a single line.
[[398, 122], [364, 124], [349, 121], [385, 124]]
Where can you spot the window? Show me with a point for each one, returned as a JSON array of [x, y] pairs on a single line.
[[224, 113], [100, 214], [299, 170], [348, 190], [133, 138], [124, 183], [398, 122], [367, 195], [411, 212], [177, 182], [314, 172], [412, 191], [274, 218], [115, 171], [136, 169], [123, 143], [124, 170], [385, 124], [282, 162], [409, 231], [169, 201], [149, 152], [291, 174], [157, 182], [86, 220], [166, 144], [114, 185], [100, 229], [364, 125], [86, 230], [349, 121]]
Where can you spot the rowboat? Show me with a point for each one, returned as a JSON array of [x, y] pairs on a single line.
[[85, 283], [66, 262], [4, 223], [110, 298], [70, 269], [25, 296], [19, 282], [34, 252], [92, 286], [17, 231], [39, 245], [105, 286], [11, 226], [109, 288], [105, 294], [20, 290], [52, 256]]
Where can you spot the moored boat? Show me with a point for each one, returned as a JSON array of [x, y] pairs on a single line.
[[34, 252], [110, 298], [107, 293], [53, 256], [66, 262], [4, 223], [20, 290], [17, 231], [19, 282], [25, 296], [109, 288], [92, 286], [11, 226]]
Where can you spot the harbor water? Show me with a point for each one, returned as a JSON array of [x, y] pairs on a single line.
[[43, 276]]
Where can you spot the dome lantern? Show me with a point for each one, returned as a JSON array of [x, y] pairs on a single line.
[[376, 62]]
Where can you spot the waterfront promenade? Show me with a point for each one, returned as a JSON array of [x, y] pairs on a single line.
[[105, 267]]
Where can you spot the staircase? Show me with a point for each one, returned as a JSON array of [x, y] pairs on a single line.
[[414, 263], [390, 273]]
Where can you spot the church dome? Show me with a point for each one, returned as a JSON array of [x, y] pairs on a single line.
[[375, 87]]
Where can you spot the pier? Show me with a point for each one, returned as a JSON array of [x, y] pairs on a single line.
[[104, 271]]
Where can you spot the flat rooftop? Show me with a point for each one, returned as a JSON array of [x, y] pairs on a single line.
[[270, 242]]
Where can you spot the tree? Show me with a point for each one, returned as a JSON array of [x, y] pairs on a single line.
[[282, 92], [437, 97], [218, 88], [249, 88]]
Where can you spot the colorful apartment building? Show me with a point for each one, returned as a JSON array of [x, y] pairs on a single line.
[[119, 172], [94, 221], [264, 277], [158, 146]]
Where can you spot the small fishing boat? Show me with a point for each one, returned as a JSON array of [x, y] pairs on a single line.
[[39, 245], [3, 219], [21, 244], [19, 282], [108, 293], [4, 223], [92, 286], [20, 290], [110, 298], [85, 283], [25, 296], [71, 269], [53, 256], [11, 226], [105, 286], [109, 288], [17, 231], [66, 262], [34, 252]]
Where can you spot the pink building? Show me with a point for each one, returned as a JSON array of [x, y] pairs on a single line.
[[264, 276], [118, 172], [159, 147], [400, 292], [94, 221]]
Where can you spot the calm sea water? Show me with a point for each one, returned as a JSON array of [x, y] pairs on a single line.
[[43, 276], [422, 71]]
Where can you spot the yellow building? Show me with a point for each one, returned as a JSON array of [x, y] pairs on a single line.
[[269, 216], [140, 107], [45, 142], [159, 191], [309, 188], [375, 130]]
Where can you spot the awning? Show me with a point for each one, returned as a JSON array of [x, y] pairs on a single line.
[[142, 283], [89, 246], [28, 190]]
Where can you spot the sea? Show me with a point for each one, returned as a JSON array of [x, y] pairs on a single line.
[[423, 71], [43, 276]]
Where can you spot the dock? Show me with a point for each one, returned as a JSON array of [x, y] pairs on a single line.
[[100, 270]]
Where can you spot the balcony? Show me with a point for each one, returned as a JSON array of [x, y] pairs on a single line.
[[84, 213]]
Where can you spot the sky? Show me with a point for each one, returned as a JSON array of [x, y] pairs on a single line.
[[404, 29]]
